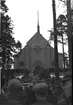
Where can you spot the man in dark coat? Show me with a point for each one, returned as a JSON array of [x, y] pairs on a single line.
[[5, 101], [15, 92], [41, 91]]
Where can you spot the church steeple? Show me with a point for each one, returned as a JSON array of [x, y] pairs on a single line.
[[38, 27]]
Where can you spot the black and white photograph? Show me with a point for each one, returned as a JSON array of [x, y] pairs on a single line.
[[36, 39]]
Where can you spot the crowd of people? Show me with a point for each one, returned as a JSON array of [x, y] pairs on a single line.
[[36, 93]]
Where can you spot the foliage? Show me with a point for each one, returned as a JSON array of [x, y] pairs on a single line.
[[64, 1], [57, 91], [61, 32], [61, 26], [7, 42], [18, 47]]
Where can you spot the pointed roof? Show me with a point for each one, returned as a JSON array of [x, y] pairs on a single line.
[[38, 39], [38, 27]]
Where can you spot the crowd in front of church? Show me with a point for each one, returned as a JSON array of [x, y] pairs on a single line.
[[35, 93]]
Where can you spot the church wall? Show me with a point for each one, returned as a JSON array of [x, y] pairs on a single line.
[[20, 59], [26, 54], [29, 57], [60, 59], [50, 56], [41, 41], [41, 56], [34, 57], [44, 57]]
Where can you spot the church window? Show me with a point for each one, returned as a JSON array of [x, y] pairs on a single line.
[[21, 63], [37, 49]]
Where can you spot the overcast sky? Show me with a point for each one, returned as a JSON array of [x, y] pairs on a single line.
[[24, 16]]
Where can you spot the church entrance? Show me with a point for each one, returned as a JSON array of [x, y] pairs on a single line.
[[38, 63], [38, 68]]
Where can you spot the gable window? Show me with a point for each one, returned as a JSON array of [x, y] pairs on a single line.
[[37, 49]]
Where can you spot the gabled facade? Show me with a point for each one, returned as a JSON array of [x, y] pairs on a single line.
[[36, 52]]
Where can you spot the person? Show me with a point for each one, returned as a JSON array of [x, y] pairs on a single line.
[[51, 98], [15, 92], [4, 100], [5, 88], [41, 91], [31, 98]]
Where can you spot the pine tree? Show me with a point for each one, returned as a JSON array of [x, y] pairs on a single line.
[[61, 26], [67, 3], [62, 29], [7, 42]]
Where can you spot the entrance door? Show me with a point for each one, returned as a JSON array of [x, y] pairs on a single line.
[[38, 63], [38, 68]]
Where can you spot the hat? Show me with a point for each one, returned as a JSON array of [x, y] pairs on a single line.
[[14, 85], [40, 87]]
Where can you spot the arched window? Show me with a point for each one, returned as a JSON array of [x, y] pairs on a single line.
[[21, 63]]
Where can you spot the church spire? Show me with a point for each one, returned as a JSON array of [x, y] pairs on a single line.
[[38, 27]]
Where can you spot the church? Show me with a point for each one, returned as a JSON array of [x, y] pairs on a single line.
[[37, 52]]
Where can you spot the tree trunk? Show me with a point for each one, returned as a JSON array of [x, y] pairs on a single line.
[[69, 32], [55, 45], [63, 52]]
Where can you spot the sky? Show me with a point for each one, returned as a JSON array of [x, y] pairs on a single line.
[[23, 13]]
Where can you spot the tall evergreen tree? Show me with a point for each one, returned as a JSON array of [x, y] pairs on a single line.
[[70, 28], [61, 26], [7, 42], [62, 29]]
